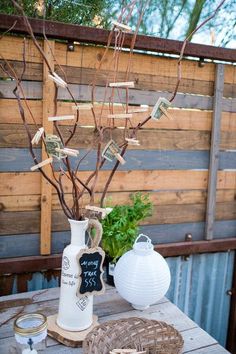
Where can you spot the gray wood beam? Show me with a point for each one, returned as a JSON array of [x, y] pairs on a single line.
[[214, 151]]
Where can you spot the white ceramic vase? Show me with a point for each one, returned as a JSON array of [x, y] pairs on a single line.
[[142, 276], [75, 313]]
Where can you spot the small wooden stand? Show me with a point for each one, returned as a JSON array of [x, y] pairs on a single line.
[[68, 338]]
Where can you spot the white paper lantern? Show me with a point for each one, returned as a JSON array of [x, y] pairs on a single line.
[[142, 276]]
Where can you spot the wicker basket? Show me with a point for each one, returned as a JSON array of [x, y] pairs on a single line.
[[137, 333]]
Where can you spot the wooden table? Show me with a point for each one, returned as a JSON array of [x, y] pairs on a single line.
[[108, 306]]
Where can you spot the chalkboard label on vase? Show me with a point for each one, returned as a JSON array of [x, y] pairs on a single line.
[[90, 263]]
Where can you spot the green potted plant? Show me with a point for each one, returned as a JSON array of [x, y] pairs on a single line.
[[120, 229]]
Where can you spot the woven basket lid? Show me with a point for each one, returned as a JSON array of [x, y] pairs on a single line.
[[136, 333]]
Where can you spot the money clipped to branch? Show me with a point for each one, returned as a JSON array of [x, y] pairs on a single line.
[[103, 144]]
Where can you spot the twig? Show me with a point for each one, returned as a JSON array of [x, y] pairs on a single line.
[[111, 176], [23, 307], [8, 30], [179, 65]]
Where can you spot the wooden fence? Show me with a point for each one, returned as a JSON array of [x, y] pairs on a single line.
[[187, 165], [172, 163]]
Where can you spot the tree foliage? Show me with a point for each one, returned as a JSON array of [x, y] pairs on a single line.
[[81, 12], [173, 19]]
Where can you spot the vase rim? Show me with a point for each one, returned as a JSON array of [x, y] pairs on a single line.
[[78, 221]]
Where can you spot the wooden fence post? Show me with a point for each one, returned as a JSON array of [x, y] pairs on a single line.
[[214, 151], [46, 188]]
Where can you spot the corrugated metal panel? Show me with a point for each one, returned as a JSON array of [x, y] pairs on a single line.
[[36, 281], [42, 281], [199, 287]]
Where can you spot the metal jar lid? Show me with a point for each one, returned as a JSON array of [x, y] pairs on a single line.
[[22, 330]]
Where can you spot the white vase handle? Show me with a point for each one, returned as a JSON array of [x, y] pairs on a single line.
[[95, 224], [149, 241]]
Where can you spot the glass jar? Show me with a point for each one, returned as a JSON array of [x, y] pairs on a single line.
[[30, 333]]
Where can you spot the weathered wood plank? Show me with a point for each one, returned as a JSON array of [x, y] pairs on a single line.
[[230, 74], [161, 66], [33, 71], [102, 304], [12, 48], [33, 90], [91, 56], [143, 80], [159, 234], [148, 81], [32, 202], [20, 160], [170, 233], [183, 248], [83, 75], [28, 182], [29, 221], [227, 141], [46, 187], [48, 304], [14, 136], [9, 111], [161, 312], [183, 119], [44, 295], [196, 338], [212, 349], [214, 163]]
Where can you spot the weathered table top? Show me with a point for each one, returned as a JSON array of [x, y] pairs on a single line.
[[108, 306]]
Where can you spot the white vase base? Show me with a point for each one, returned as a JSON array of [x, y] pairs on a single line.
[[69, 338], [140, 307]]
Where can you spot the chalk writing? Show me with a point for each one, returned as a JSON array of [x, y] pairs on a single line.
[[90, 264]]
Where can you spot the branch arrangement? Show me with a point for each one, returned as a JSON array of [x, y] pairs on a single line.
[[103, 142]]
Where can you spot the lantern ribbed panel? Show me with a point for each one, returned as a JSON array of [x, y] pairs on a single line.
[[142, 279]]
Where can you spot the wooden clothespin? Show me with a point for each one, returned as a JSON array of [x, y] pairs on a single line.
[[132, 141], [58, 80], [120, 116], [103, 211], [57, 118], [117, 155], [121, 26], [41, 164], [112, 151], [67, 151], [128, 84], [138, 110], [160, 108], [37, 136], [82, 107]]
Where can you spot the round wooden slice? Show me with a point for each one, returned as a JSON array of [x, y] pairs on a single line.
[[68, 338]]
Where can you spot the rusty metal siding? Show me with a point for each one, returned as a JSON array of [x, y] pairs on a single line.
[[199, 286]]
